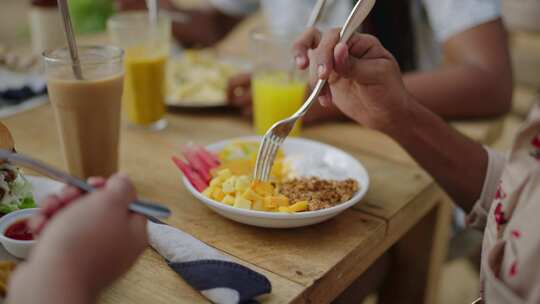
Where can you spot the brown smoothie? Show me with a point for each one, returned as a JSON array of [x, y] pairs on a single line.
[[88, 119]]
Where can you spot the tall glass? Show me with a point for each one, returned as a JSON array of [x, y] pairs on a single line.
[[278, 89], [87, 111], [147, 49]]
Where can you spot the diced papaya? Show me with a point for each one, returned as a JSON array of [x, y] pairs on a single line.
[[218, 194]]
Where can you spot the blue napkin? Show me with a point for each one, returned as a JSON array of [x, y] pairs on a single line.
[[217, 277]]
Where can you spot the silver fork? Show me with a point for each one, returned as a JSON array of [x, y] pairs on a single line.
[[275, 136], [148, 209]]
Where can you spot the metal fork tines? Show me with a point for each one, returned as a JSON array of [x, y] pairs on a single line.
[[275, 136], [148, 209]]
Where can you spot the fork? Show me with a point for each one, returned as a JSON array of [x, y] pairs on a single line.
[[148, 209], [277, 134]]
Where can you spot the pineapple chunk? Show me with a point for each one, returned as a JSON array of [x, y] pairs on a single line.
[[242, 183], [272, 202], [250, 195], [208, 192], [229, 200], [284, 209], [240, 202], [299, 206], [258, 205], [216, 182], [225, 174], [218, 194], [263, 189], [228, 185]]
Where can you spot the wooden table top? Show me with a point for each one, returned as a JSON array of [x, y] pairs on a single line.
[[303, 264]]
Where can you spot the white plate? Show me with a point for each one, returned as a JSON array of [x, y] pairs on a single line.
[[41, 188], [292, 146]]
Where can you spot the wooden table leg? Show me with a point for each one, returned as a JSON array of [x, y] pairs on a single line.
[[417, 259]]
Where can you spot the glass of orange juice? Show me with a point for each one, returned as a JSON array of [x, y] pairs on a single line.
[[146, 45], [278, 88]]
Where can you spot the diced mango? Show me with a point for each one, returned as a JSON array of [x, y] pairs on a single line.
[[258, 205], [284, 209], [229, 200], [250, 195], [263, 189], [218, 194], [272, 202], [299, 206], [228, 185], [240, 202], [225, 174]]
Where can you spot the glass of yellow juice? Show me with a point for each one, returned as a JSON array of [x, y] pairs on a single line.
[[146, 46], [278, 89]]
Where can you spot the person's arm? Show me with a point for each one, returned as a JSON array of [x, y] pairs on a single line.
[[476, 79], [366, 85], [90, 241], [204, 26]]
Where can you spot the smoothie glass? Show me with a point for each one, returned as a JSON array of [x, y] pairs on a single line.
[[87, 111], [278, 89], [146, 47]]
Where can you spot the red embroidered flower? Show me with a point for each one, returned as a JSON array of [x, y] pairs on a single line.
[[516, 233], [500, 219], [536, 141], [513, 269]]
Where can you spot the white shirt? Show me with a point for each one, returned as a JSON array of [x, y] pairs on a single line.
[[435, 20]]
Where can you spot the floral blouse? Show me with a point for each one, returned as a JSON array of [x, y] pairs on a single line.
[[508, 212]]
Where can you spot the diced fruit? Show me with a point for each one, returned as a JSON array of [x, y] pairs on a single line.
[[284, 209], [263, 189], [225, 174], [269, 203], [242, 183], [299, 206], [229, 200], [273, 202], [228, 185], [208, 192], [250, 195], [196, 163], [194, 178], [240, 202], [258, 205], [218, 194], [216, 181]]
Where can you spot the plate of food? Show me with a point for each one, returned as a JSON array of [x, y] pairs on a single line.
[[198, 79], [311, 182]]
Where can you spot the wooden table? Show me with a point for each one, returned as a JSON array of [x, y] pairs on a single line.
[[403, 208]]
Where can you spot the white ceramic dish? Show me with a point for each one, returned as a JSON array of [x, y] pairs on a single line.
[[293, 147], [17, 248], [42, 187]]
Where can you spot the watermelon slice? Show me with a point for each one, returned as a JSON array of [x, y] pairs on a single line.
[[194, 178]]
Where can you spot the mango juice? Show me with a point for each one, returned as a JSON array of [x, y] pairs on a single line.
[[144, 88], [275, 97]]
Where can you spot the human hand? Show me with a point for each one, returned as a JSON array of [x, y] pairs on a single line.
[[364, 80], [91, 239]]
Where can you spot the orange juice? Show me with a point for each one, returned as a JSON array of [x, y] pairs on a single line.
[[276, 97], [144, 88]]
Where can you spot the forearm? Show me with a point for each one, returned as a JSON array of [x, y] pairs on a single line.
[[47, 283], [460, 91], [457, 163]]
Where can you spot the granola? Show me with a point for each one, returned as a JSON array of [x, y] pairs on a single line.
[[319, 193]]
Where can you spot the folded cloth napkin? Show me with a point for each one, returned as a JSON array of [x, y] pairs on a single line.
[[216, 276]]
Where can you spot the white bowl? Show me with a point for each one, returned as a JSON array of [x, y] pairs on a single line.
[[293, 147], [18, 248]]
